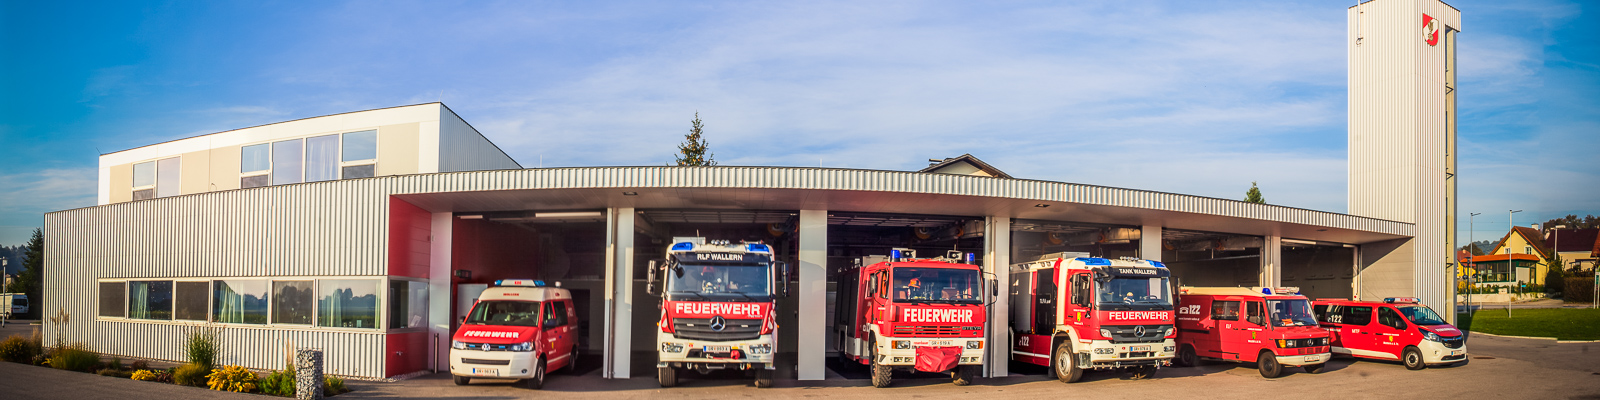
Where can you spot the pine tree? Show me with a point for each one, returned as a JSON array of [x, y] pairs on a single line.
[[31, 280], [694, 151], [1254, 194]]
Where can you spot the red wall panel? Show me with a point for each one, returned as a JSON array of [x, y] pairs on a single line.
[[408, 352], [410, 228]]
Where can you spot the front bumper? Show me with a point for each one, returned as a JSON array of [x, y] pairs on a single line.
[[1436, 353], [1304, 359], [888, 355], [679, 352], [1104, 354], [492, 364]]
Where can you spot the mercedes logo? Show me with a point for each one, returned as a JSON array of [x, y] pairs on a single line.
[[717, 323], [1138, 331]]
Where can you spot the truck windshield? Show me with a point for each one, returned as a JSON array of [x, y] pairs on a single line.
[[1291, 313], [1421, 315], [936, 285], [1129, 293], [740, 282], [505, 312]]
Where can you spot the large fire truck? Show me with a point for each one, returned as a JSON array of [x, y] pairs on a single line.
[[908, 313], [1073, 313], [718, 303]]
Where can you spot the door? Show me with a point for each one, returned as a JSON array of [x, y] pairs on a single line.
[[1079, 308], [557, 334], [1355, 334], [1390, 332], [1241, 339], [1224, 316], [1044, 305]]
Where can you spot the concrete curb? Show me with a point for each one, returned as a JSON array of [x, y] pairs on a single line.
[[1535, 337]]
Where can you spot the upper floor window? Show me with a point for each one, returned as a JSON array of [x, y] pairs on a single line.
[[286, 157], [154, 179], [1527, 250], [314, 159], [254, 164], [360, 155]]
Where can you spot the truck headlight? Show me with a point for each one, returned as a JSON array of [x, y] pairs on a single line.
[[670, 347], [1105, 332], [901, 344], [760, 348], [1426, 335], [457, 344], [974, 344], [524, 346]]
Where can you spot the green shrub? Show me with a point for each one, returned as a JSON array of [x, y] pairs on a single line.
[[1579, 289], [139, 364], [116, 363], [39, 359], [190, 375], [332, 385], [115, 373], [278, 383], [18, 349], [201, 347], [75, 357], [232, 378]]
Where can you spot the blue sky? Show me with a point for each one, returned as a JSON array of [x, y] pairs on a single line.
[[1188, 97]]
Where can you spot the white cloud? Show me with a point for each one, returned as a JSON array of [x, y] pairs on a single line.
[[30, 194]]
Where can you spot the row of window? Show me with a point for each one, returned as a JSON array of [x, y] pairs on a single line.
[[348, 155], [334, 302]]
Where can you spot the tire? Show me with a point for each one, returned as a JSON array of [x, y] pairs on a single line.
[[1268, 364], [667, 376], [882, 375], [460, 380], [1413, 359], [1144, 372], [537, 381], [572, 362], [964, 374], [763, 377], [1315, 368], [1186, 357], [1065, 363]]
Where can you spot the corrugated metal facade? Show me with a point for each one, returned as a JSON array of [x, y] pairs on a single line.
[[337, 228]]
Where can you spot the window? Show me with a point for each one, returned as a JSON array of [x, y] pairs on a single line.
[[1225, 310], [112, 300], [1527, 250], [555, 314], [286, 158], [150, 300], [359, 152], [322, 162], [144, 180], [1322, 312], [291, 302], [1253, 313], [167, 173], [408, 304], [347, 303], [237, 301], [190, 300], [1388, 317], [1357, 315], [1080, 290], [254, 164]]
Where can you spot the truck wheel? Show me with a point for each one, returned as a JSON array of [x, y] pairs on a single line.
[[1315, 368], [1413, 358], [1268, 364], [572, 361], [667, 376], [763, 377], [1066, 363], [1144, 372], [965, 373], [460, 380], [881, 374], [1186, 357], [537, 381]]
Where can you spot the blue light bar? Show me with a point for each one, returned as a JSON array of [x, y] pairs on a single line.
[[894, 255], [757, 247], [969, 258], [683, 246], [1266, 290], [1156, 264], [1094, 261]]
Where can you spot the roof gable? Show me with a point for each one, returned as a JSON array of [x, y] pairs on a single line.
[[1529, 235], [966, 164]]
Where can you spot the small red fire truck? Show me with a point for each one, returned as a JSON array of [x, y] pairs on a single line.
[[907, 313], [1403, 330], [1270, 327], [518, 329], [718, 306], [1078, 313]]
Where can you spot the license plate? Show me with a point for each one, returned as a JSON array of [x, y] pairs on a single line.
[[1455, 352], [486, 371], [1314, 358], [943, 343], [717, 349], [1138, 348]]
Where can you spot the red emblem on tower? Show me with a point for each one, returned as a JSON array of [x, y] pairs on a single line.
[[1430, 30]]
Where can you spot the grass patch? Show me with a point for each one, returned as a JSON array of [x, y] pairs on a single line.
[[1559, 323]]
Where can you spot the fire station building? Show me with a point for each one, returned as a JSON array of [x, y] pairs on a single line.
[[366, 234]]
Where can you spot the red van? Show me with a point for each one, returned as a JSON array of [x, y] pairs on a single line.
[[518, 329], [1398, 328], [1270, 327]]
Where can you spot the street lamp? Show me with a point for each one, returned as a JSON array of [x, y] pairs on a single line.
[[1511, 228], [1473, 238], [1557, 248]]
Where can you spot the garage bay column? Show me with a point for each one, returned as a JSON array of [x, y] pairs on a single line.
[[1272, 262], [619, 293], [812, 333], [1150, 242], [997, 261], [441, 290]]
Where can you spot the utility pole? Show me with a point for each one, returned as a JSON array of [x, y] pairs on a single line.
[[1472, 279]]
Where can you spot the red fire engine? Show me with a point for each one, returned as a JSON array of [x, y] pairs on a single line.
[[1270, 327], [906, 313], [1078, 313], [717, 308]]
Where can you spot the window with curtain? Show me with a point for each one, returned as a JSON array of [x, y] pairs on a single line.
[[322, 158], [408, 304], [239, 301], [286, 162], [347, 303], [291, 302], [150, 300]]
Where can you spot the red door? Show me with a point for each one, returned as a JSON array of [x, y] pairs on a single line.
[[1356, 334], [1242, 339], [558, 334], [1078, 307], [1389, 332]]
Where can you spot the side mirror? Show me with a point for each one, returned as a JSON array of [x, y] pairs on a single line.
[[652, 277], [872, 287], [781, 273]]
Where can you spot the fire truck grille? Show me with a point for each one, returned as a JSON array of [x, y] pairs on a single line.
[[928, 331], [1130, 333], [700, 329], [1455, 342]]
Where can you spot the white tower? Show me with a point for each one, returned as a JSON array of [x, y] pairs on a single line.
[[1402, 144]]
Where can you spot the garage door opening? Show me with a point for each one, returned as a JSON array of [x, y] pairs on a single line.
[[1319, 269], [1212, 259]]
